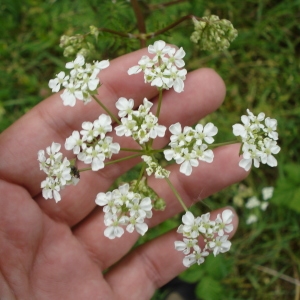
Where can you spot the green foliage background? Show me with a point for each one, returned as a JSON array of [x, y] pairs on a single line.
[[261, 72]]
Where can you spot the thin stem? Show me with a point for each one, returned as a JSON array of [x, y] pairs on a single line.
[[176, 193], [132, 150], [159, 103], [122, 159], [212, 146], [153, 34], [140, 176], [140, 22], [107, 110], [84, 169], [162, 5], [122, 34]]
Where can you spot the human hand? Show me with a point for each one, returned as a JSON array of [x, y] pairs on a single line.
[[54, 250]]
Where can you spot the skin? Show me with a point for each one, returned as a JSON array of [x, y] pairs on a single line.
[[54, 250]]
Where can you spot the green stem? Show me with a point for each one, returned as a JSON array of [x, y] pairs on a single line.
[[132, 150], [140, 176], [84, 169], [176, 193], [107, 110], [122, 159], [159, 103], [213, 146]]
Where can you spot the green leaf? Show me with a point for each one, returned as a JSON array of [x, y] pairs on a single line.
[[209, 289], [193, 274], [217, 267], [287, 191]]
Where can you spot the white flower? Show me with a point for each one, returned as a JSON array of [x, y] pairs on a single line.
[[137, 224], [82, 82], [158, 77], [271, 126], [62, 172], [223, 224], [140, 208], [94, 156], [180, 137], [196, 257], [50, 189], [76, 64], [204, 154], [251, 219], [175, 57], [74, 142], [256, 120], [70, 94], [152, 127], [264, 206], [102, 125], [111, 204], [61, 79], [103, 64], [205, 133], [113, 229], [42, 160], [252, 202], [124, 106], [54, 154], [207, 226], [159, 48], [190, 226], [187, 161], [220, 245], [259, 140], [143, 109], [88, 132], [269, 148], [250, 154], [108, 148], [58, 172], [162, 70], [126, 128], [243, 130], [144, 62], [267, 192], [89, 83], [186, 245]]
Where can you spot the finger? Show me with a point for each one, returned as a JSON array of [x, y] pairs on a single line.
[[51, 121], [205, 180], [150, 266], [77, 202]]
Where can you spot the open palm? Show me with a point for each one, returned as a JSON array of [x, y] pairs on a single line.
[[59, 251]]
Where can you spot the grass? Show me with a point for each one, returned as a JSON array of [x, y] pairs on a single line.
[[261, 71]]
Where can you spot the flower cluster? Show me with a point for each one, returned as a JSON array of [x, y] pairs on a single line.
[[259, 140], [164, 69], [189, 146], [154, 167], [91, 145], [213, 34], [256, 206], [81, 83], [215, 239], [124, 207], [141, 124], [59, 172]]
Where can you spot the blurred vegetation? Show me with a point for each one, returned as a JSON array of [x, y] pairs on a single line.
[[261, 72]]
